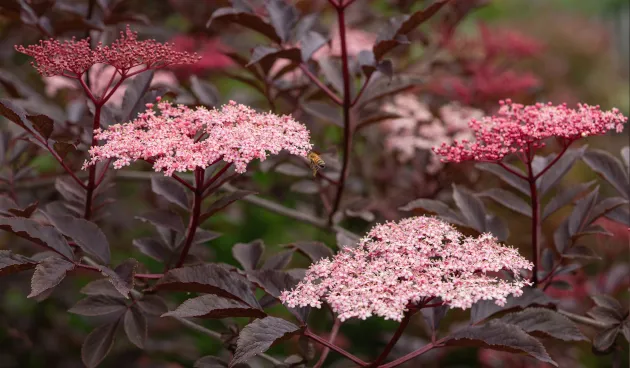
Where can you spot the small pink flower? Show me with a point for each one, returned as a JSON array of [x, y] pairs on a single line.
[[405, 262], [520, 128], [177, 138]]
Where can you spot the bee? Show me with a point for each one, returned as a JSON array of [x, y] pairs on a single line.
[[315, 162]]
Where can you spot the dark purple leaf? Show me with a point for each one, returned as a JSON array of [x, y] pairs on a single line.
[[398, 28], [547, 259], [87, 235], [433, 316], [345, 239], [203, 236], [102, 287], [564, 197], [581, 211], [497, 335], [127, 271], [559, 169], [509, 200], [206, 93], [278, 261], [266, 56], [164, 218], [225, 201], [64, 148], [312, 249], [70, 189], [43, 124], [625, 156], [24, 212], [98, 305], [561, 236], [259, 335], [433, 206], [310, 43], [580, 252], [607, 301], [283, 16], [606, 315], [135, 324], [560, 285], [152, 248], [383, 87], [290, 169], [509, 178], [132, 103], [620, 215], [367, 62], [246, 19], [152, 305], [48, 274], [11, 263], [497, 226], [171, 190], [46, 236], [210, 362], [248, 254], [214, 306], [98, 344], [486, 308], [273, 282], [332, 72], [610, 168], [209, 278], [123, 286], [471, 207], [108, 115], [545, 322], [605, 206], [605, 339], [625, 329], [323, 111]]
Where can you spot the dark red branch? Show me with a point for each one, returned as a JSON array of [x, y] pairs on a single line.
[[194, 217], [334, 347]]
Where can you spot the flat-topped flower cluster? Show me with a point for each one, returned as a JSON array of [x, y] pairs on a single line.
[[72, 58], [176, 138], [519, 128], [405, 262]]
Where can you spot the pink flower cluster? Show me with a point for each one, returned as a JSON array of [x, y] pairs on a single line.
[[519, 128], [53, 57], [401, 263], [183, 139], [417, 128]]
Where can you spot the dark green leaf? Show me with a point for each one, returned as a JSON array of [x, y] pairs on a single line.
[[246, 19], [48, 274], [87, 235], [171, 190], [209, 278], [546, 322], [11, 263], [248, 254], [135, 324], [259, 335], [497, 335], [98, 305], [214, 306], [509, 200], [98, 344]]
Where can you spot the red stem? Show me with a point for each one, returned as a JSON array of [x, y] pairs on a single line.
[[412, 355], [194, 217], [321, 85], [392, 342], [333, 336], [347, 131], [334, 347], [216, 176], [558, 156], [184, 182], [507, 168], [96, 124]]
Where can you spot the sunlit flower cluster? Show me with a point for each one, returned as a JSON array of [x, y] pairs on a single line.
[[73, 58], [417, 129], [519, 128], [177, 138], [405, 262]]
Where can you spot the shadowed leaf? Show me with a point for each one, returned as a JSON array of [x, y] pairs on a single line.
[[132, 100], [205, 92], [98, 305], [607, 301], [98, 344], [313, 250], [283, 16], [486, 308], [564, 197], [581, 211], [259, 335], [46, 236], [48, 274], [559, 169], [171, 190], [248, 254], [152, 305], [273, 282], [310, 43], [545, 322], [102, 287], [610, 168], [164, 218], [509, 200], [605, 339], [135, 324], [152, 248], [497, 335], [606, 315], [278, 261], [245, 19], [87, 235], [224, 201], [214, 306], [471, 207], [11, 263], [509, 178]]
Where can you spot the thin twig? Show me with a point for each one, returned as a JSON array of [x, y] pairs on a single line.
[[321, 85], [392, 342], [334, 347], [333, 336]]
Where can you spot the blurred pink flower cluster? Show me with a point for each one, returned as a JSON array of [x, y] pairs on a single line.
[[183, 139], [418, 129], [405, 262], [485, 64], [518, 128], [210, 50], [72, 58]]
